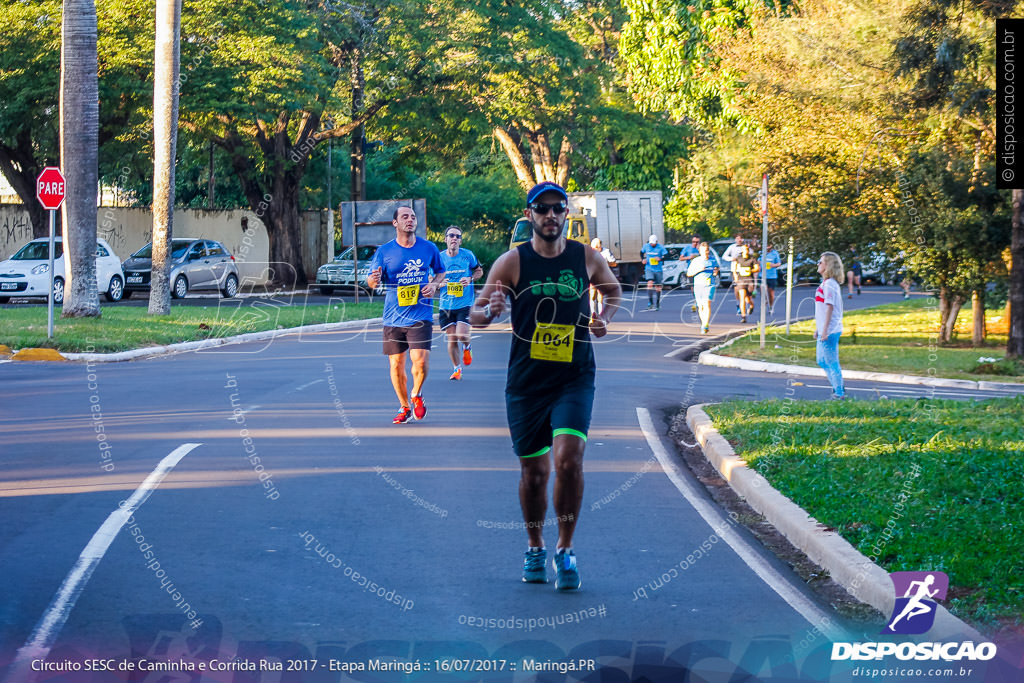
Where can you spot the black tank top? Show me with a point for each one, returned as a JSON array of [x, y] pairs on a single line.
[[550, 321]]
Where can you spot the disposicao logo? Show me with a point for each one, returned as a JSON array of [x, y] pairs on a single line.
[[917, 595]]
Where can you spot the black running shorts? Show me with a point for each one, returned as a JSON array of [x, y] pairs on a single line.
[[456, 315], [534, 421], [401, 339]]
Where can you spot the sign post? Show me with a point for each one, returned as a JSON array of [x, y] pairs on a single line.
[[763, 194], [50, 188]]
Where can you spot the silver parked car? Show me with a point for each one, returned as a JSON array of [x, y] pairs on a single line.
[[196, 265], [338, 274]]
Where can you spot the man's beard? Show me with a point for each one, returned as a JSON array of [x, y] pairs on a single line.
[[547, 238]]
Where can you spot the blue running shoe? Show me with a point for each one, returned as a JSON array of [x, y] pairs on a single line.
[[535, 566], [567, 577]]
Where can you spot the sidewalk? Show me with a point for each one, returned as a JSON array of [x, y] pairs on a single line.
[[709, 357]]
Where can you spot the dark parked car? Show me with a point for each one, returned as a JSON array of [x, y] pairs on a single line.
[[196, 265]]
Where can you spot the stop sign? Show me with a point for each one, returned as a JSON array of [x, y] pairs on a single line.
[[50, 188]]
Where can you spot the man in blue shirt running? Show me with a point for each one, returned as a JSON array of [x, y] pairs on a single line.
[[771, 264], [652, 255], [461, 268], [410, 268]]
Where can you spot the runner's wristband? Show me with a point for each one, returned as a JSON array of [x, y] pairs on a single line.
[[487, 311]]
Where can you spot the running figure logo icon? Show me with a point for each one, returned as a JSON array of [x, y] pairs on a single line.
[[917, 594]]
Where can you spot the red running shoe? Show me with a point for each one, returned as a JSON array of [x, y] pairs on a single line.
[[403, 416], [418, 409], [467, 357]]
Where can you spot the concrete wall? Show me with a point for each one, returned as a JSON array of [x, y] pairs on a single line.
[[240, 231]]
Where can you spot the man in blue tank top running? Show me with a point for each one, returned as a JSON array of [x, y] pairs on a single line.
[[549, 392]]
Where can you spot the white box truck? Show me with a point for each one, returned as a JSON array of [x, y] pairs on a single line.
[[624, 220]]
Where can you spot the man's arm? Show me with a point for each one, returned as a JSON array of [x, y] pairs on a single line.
[[428, 290], [490, 304], [604, 281], [376, 274]]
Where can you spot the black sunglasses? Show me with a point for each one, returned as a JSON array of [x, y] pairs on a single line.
[[452, 234], [542, 209]]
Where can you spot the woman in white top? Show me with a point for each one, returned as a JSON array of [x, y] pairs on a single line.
[[828, 320]]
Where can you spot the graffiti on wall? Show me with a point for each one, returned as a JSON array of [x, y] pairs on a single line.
[[15, 231]]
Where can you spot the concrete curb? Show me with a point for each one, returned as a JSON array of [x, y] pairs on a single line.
[[710, 358], [210, 343], [861, 577]]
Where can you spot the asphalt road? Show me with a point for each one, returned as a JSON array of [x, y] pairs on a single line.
[[354, 541]]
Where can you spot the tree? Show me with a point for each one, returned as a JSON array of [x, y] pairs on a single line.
[[165, 135], [671, 51], [29, 86], [79, 141], [265, 77]]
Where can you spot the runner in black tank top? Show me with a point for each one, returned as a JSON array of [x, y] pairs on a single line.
[[550, 386], [550, 322]]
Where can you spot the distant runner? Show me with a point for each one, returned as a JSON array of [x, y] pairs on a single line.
[[744, 268], [705, 277], [461, 268], [653, 254], [549, 392], [404, 266], [771, 263]]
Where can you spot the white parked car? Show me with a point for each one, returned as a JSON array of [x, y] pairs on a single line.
[[674, 270], [27, 273]]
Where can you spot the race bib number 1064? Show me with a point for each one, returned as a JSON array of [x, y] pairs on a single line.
[[552, 342]]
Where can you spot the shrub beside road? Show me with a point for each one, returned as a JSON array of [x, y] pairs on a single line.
[[899, 338], [125, 327], [914, 484]]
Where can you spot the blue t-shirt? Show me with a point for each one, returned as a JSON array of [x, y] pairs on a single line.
[[405, 271], [653, 256], [455, 268], [771, 272], [689, 250]]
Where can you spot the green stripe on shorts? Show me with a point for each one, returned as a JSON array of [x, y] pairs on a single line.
[[570, 432], [539, 453]]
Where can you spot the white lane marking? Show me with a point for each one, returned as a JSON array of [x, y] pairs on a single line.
[[46, 631], [718, 521], [304, 386]]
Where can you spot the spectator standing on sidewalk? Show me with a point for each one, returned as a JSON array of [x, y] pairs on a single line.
[[828, 320]]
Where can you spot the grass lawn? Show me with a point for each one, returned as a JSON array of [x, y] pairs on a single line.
[[943, 476], [899, 338], [128, 327]]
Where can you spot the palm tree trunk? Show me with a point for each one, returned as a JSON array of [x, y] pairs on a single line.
[[1015, 299], [79, 152], [165, 138]]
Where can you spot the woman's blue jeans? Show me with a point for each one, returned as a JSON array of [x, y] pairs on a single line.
[[828, 359]]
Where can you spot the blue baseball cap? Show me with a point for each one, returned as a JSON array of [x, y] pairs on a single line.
[[541, 188]]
